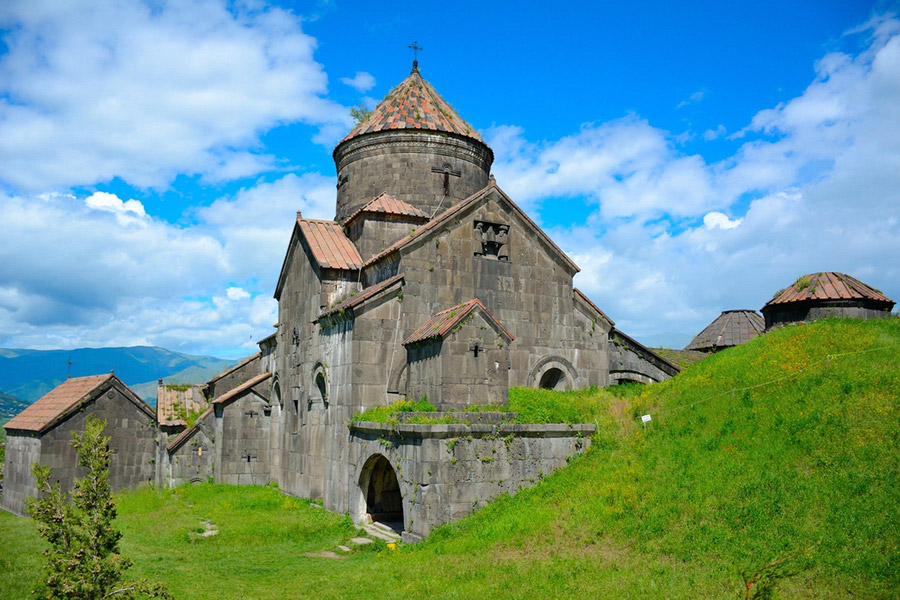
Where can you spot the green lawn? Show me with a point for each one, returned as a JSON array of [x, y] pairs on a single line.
[[786, 444]]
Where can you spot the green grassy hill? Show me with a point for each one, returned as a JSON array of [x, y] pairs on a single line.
[[783, 448]]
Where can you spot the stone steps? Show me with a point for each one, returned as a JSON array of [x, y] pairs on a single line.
[[382, 532]]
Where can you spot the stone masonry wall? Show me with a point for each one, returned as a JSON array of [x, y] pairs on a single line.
[[447, 471], [400, 163], [242, 435], [193, 461], [23, 449]]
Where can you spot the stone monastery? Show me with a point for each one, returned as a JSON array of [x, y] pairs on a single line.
[[430, 282]]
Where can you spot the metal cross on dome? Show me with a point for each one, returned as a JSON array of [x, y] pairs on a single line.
[[415, 47]]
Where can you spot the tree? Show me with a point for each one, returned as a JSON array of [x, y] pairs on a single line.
[[83, 560], [359, 113]]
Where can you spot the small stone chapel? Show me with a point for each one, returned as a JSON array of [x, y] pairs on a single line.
[[430, 282]]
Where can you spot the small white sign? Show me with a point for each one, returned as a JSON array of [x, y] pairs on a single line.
[[645, 419]]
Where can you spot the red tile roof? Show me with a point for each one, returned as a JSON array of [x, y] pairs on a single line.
[[384, 203], [239, 390], [454, 210], [413, 105], [443, 322], [827, 286], [731, 328], [172, 402], [330, 247], [580, 294], [362, 296], [64, 399]]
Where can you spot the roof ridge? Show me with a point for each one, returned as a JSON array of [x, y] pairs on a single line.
[[413, 104]]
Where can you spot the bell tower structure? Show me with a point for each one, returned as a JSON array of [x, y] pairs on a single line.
[[414, 147]]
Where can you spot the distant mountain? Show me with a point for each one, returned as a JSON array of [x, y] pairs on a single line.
[[10, 406], [29, 374]]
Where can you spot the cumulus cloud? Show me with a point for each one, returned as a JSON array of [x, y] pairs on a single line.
[[815, 186], [147, 91], [361, 82], [100, 271]]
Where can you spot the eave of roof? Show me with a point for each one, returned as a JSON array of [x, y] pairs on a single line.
[[234, 368], [188, 433], [442, 323], [729, 329], [436, 223], [68, 397], [329, 246], [631, 340], [241, 389], [827, 285], [385, 204], [359, 298], [586, 300]]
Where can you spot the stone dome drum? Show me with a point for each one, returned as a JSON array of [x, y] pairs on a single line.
[[412, 137]]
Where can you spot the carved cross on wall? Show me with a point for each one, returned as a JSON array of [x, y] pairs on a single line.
[[447, 171], [248, 457], [251, 413], [475, 348]]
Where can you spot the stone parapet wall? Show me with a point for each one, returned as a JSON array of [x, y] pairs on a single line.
[[447, 471]]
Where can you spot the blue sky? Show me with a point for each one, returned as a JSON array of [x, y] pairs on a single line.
[[691, 157]]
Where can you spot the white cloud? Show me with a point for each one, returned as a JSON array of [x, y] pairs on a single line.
[[824, 168], [236, 293], [72, 273], [144, 92], [716, 219], [712, 134], [361, 82]]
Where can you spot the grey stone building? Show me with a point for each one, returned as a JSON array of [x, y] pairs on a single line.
[[731, 328], [822, 295], [430, 282], [42, 433]]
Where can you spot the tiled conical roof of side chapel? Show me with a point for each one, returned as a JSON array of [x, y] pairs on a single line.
[[414, 105]]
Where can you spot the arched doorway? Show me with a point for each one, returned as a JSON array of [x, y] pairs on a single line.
[[381, 491], [553, 379]]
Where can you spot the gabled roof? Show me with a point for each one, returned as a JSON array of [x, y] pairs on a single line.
[[328, 244], [188, 433], [330, 248], [241, 389], [413, 105], [827, 286], [386, 204], [580, 295], [731, 328], [671, 367], [66, 398], [234, 368], [448, 215], [443, 322], [359, 298]]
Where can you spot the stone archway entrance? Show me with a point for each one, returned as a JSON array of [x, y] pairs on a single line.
[[381, 491], [553, 379]]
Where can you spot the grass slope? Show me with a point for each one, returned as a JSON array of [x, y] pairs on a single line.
[[785, 444]]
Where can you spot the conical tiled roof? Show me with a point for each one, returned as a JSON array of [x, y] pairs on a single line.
[[731, 328], [414, 105], [827, 286]]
